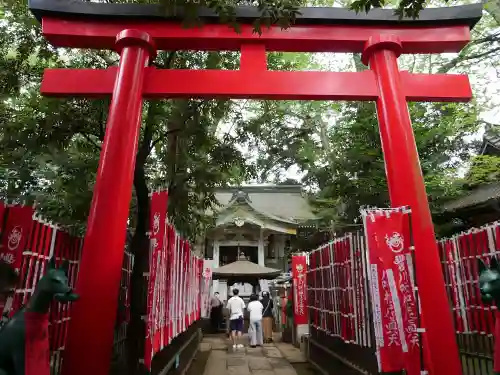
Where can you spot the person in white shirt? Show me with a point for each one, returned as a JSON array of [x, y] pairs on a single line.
[[235, 305], [255, 308]]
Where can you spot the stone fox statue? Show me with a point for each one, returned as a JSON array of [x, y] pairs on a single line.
[[28, 328], [489, 286], [489, 281]]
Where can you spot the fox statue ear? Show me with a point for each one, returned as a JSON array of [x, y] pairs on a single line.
[[52, 263], [65, 267], [494, 264]]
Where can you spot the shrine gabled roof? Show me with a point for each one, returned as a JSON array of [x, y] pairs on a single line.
[[478, 196], [458, 15], [284, 203]]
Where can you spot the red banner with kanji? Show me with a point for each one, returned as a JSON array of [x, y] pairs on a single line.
[[450, 254], [156, 302], [16, 234], [170, 238], [395, 311], [172, 245], [299, 270]]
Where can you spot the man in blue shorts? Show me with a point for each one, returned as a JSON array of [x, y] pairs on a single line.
[[236, 306]]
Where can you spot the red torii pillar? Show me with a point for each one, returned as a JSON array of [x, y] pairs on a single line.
[[90, 336]]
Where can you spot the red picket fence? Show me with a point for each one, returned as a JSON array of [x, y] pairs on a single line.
[[341, 313], [340, 322], [28, 242], [474, 321], [174, 295]]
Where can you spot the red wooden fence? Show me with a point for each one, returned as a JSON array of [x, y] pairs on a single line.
[[340, 311], [28, 242]]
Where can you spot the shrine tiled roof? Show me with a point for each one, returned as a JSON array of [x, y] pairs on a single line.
[[479, 195], [242, 268], [278, 202], [486, 192]]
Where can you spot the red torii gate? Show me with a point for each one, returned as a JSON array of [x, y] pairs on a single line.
[[138, 31]]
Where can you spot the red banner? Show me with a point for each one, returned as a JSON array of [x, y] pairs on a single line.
[[16, 235], [199, 295], [185, 276], [159, 204], [172, 239], [174, 274], [190, 288], [37, 354], [167, 336], [299, 270], [161, 276], [392, 282], [177, 282], [172, 281], [450, 254]]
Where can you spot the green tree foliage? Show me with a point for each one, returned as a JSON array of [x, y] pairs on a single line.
[[336, 146], [343, 161], [272, 12], [412, 8], [484, 169]]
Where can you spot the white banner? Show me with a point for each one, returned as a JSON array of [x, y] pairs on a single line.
[[205, 292]]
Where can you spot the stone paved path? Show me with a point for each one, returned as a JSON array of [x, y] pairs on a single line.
[[268, 360]]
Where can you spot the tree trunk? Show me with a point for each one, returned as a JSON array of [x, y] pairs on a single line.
[[136, 331]]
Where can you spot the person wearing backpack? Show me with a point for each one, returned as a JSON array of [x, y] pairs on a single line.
[[236, 307], [267, 317]]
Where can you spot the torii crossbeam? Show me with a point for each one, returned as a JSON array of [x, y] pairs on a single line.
[[138, 31], [253, 80]]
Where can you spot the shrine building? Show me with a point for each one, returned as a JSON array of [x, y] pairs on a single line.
[[259, 221]]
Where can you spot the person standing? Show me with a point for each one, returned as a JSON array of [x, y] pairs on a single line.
[[215, 312], [236, 305], [255, 309], [267, 317]]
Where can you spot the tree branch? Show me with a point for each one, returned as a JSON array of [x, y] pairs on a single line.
[[145, 147], [101, 124], [462, 56], [480, 55], [91, 141], [169, 61], [108, 60], [162, 137]]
